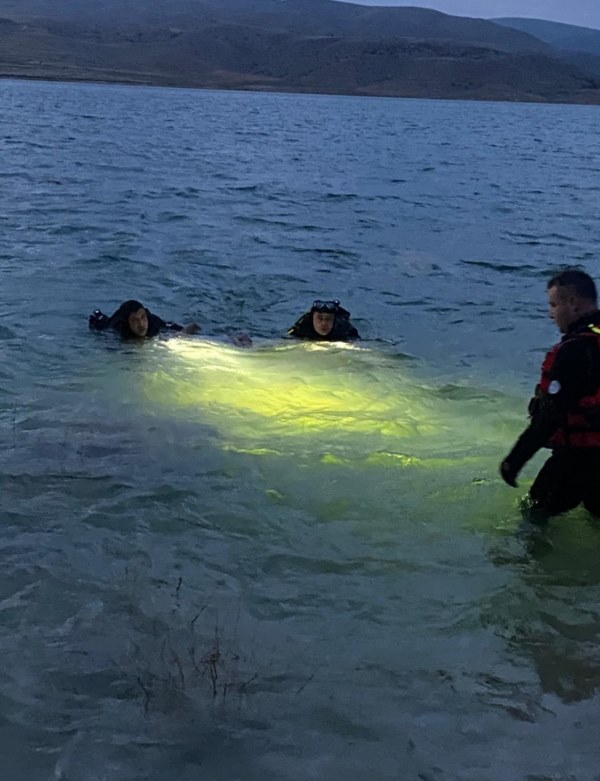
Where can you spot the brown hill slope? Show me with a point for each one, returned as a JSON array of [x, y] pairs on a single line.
[[210, 52], [296, 17]]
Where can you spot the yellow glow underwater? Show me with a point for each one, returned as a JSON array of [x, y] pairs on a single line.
[[345, 402]]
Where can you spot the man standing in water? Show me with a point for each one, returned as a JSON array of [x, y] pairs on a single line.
[[565, 410]]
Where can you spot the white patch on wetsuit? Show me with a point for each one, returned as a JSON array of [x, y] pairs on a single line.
[[554, 388]]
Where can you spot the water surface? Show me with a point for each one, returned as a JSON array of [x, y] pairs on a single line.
[[295, 561]]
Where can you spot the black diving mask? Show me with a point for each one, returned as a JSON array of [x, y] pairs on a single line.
[[326, 306]]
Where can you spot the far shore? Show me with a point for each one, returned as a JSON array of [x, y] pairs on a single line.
[[134, 80]]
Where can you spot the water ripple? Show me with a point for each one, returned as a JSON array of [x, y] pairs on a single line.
[[213, 557]]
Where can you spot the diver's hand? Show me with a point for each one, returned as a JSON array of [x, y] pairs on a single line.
[[509, 474], [191, 328], [241, 340]]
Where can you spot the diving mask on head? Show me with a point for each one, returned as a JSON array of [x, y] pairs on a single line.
[[325, 306]]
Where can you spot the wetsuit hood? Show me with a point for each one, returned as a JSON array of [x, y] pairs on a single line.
[[119, 320], [342, 331]]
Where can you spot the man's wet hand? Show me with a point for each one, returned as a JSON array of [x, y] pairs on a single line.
[[509, 474]]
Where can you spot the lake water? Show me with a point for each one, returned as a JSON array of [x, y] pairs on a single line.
[[294, 561]]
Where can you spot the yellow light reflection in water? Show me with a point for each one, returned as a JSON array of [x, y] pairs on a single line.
[[345, 403]]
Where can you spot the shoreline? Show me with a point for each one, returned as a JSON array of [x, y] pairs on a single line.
[[123, 81]]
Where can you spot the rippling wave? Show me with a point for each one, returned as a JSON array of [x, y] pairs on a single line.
[[294, 561]]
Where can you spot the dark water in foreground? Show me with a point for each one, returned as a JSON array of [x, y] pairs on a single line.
[[291, 562]]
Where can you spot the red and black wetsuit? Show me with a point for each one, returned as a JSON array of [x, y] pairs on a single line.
[[565, 416]]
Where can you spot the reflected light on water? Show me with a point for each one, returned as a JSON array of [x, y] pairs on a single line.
[[349, 404]]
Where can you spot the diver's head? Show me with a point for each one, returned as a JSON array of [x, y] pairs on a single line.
[[572, 294], [323, 316], [131, 319]]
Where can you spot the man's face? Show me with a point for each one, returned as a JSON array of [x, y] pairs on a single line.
[[563, 306], [323, 322], [138, 322]]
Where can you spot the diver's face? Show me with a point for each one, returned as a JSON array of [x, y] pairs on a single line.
[[138, 322], [563, 307], [323, 322]]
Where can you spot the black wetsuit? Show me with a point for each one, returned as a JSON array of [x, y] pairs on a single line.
[[572, 473], [342, 331], [119, 321]]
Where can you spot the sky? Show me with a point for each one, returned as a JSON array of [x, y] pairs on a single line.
[[582, 12]]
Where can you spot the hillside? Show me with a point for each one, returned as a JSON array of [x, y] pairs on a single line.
[[295, 17], [567, 37], [579, 45], [285, 45]]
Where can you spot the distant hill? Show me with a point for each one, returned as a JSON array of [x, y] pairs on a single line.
[[580, 45], [285, 45], [568, 37], [297, 17]]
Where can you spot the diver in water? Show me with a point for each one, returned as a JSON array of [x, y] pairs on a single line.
[[133, 321], [325, 321]]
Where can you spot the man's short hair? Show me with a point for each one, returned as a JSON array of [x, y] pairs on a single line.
[[583, 285]]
